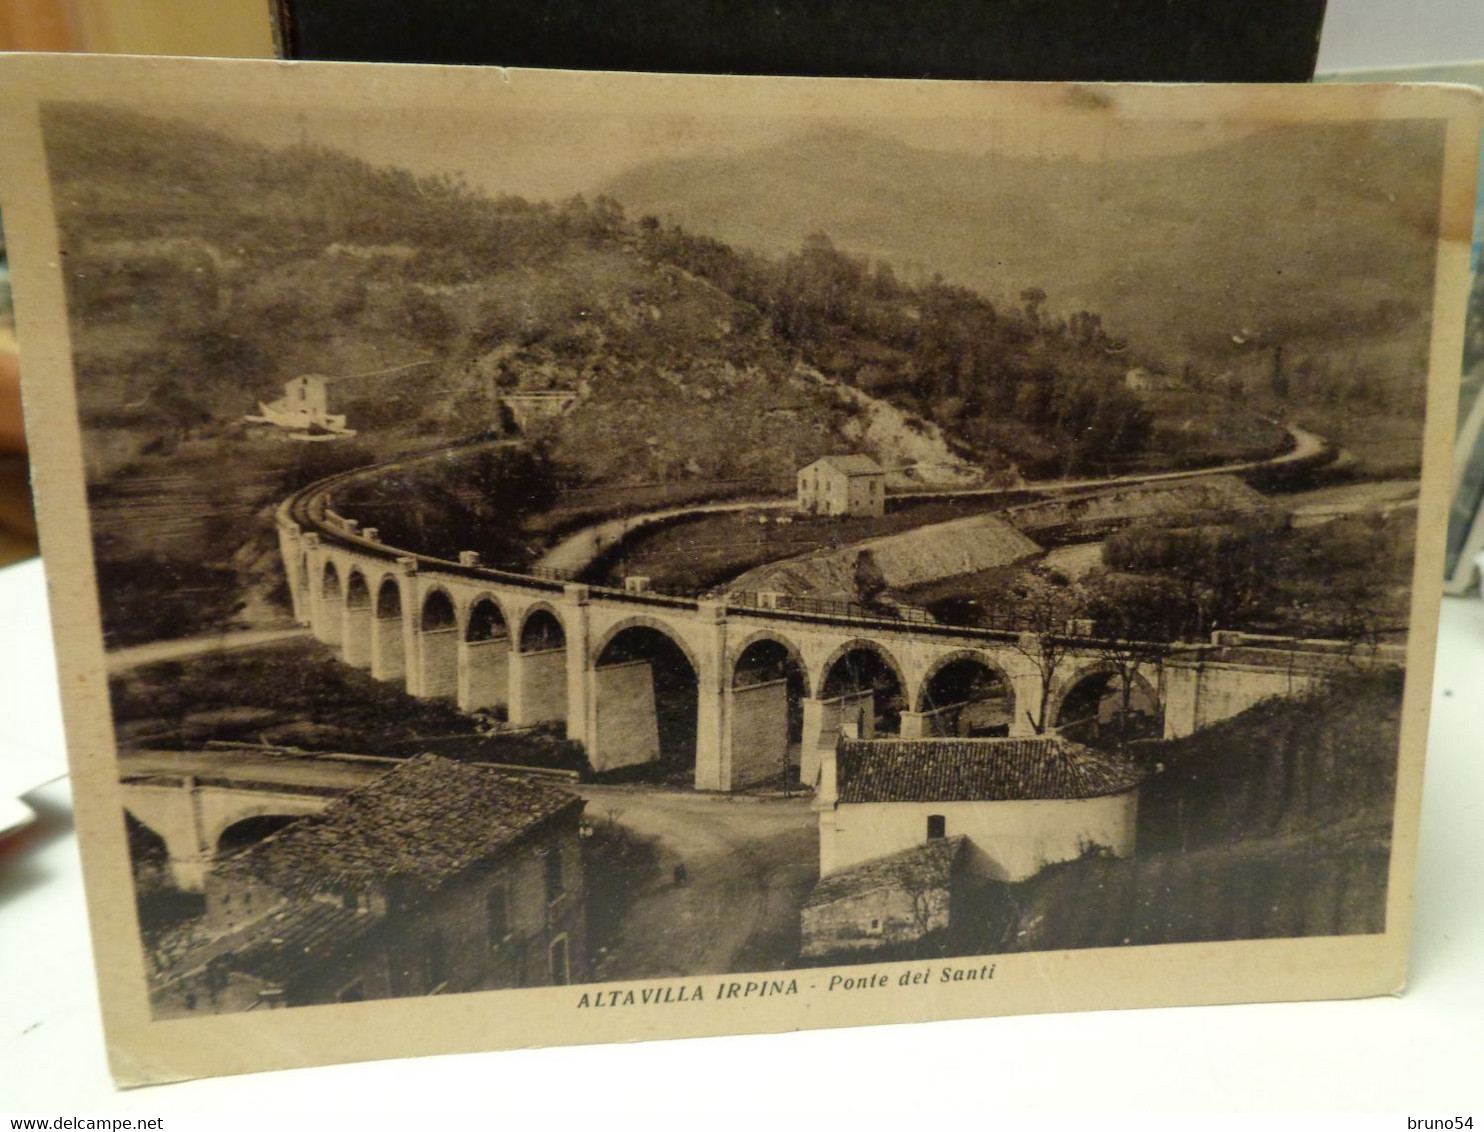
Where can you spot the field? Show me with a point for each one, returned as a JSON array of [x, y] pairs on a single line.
[[300, 695], [1380, 445], [707, 551]]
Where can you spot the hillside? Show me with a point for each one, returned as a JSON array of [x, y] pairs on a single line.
[[1275, 823], [918, 557], [204, 271], [1345, 214]]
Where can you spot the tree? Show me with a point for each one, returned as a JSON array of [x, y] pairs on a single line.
[[1034, 299], [915, 879], [1045, 611], [870, 581], [1133, 622]]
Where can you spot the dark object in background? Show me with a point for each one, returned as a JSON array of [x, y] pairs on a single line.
[[1076, 40]]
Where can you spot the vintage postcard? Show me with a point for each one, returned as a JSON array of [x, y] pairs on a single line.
[[550, 557]]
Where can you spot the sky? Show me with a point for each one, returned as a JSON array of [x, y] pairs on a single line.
[[1470, 73], [551, 154]]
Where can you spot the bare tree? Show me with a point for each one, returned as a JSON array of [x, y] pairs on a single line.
[[1044, 642], [915, 879], [1132, 622]]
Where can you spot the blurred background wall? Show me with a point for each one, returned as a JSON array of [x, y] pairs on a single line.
[[138, 27]]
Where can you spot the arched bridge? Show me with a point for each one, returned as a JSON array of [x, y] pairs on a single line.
[[739, 690], [196, 801]]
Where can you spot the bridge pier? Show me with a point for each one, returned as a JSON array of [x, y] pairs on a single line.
[[756, 731], [1028, 696], [538, 691], [291, 549], [714, 765], [581, 672], [822, 722], [915, 725], [438, 675], [357, 634], [484, 673], [173, 811]]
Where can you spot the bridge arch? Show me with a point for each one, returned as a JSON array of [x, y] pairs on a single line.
[[388, 633], [329, 624], [768, 686], [438, 641], [863, 673], [644, 621], [646, 684], [541, 629], [248, 829], [762, 636], [1087, 705], [485, 618], [965, 692], [358, 617], [484, 656]]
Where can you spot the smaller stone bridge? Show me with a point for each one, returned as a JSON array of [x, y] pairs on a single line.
[[204, 805], [194, 800]]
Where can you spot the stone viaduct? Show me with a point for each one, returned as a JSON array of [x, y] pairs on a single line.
[[549, 651], [192, 815]]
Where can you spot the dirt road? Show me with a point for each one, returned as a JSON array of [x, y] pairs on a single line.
[[750, 863], [187, 647]]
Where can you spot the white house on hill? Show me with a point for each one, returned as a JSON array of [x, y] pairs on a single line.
[[843, 485], [305, 405]]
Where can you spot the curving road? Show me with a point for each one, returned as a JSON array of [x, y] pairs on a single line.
[[751, 862]]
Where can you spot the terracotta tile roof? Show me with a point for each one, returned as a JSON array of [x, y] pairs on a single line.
[[978, 770], [929, 865], [425, 821], [297, 939], [853, 465]]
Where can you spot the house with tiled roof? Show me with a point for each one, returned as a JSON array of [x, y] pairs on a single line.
[[842, 485], [1020, 804], [885, 902], [438, 878]]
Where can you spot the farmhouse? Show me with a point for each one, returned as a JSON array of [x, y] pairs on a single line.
[[534, 405], [439, 877], [1021, 804], [843, 485], [911, 830], [895, 899], [305, 405], [1141, 380]]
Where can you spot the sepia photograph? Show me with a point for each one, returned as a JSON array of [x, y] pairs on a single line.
[[686, 549]]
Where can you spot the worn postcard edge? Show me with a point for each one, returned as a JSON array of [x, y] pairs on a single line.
[[144, 1051]]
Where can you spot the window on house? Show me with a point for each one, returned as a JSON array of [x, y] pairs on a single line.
[[937, 826], [552, 859], [559, 973], [497, 915]]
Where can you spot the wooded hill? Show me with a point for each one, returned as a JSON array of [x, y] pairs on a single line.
[[204, 270], [1274, 823]]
